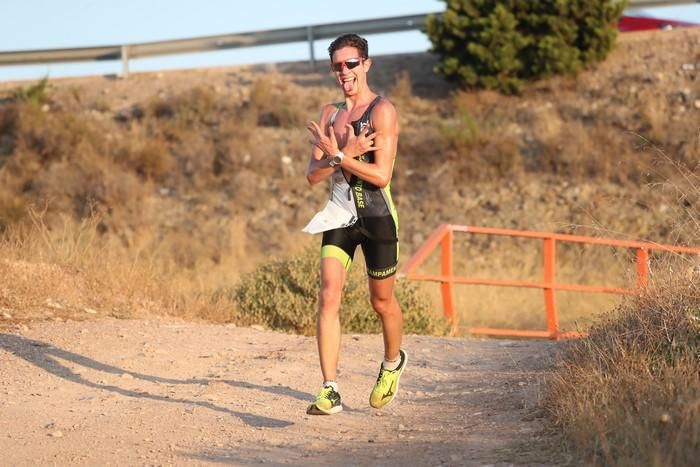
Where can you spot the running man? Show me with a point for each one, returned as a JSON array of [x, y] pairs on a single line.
[[354, 145]]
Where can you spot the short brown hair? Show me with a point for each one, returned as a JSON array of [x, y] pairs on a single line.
[[350, 40]]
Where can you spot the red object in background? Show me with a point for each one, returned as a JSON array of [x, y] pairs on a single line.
[[642, 23]]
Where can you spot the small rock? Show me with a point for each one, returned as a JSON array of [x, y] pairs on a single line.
[[56, 434], [90, 311], [696, 104], [45, 108], [688, 67], [126, 376], [522, 383], [257, 327], [6, 315], [286, 160], [53, 304]]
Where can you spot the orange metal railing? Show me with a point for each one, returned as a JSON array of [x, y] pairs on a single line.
[[443, 236]]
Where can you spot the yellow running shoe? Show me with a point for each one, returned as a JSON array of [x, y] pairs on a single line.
[[387, 384], [327, 402]]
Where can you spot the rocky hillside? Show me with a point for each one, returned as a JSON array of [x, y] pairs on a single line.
[[204, 169]]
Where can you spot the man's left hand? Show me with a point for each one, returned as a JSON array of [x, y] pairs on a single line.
[[326, 143]]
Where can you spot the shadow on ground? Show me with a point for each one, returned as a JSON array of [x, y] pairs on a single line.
[[45, 356]]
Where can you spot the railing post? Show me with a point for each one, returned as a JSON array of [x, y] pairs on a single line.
[[125, 61], [310, 38], [446, 285], [642, 268], [550, 298]]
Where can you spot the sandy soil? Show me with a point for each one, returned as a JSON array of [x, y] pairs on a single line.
[[120, 392]]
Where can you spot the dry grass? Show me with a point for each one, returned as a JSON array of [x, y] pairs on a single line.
[[74, 272], [629, 394]]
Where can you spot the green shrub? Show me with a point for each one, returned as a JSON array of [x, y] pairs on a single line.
[[497, 44], [460, 132], [34, 94], [9, 123], [283, 295]]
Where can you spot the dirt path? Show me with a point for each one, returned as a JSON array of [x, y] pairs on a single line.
[[118, 392]]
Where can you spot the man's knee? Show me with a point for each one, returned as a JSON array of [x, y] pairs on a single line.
[[382, 305], [329, 300]]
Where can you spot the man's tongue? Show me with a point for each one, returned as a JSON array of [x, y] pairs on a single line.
[[348, 85]]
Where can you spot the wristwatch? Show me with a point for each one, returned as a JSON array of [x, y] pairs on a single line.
[[337, 159]]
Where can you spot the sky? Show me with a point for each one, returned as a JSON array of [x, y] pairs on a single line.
[[49, 24]]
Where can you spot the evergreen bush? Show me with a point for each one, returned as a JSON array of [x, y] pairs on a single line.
[[499, 44], [283, 295]]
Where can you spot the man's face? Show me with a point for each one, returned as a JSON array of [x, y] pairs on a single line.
[[350, 70]]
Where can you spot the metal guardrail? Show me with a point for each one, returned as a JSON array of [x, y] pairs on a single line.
[[213, 43], [246, 39]]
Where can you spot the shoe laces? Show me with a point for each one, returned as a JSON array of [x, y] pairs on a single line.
[[384, 383], [325, 392]]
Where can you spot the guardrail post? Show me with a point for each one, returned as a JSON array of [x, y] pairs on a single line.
[[550, 299], [125, 61], [310, 38], [642, 268], [446, 285]]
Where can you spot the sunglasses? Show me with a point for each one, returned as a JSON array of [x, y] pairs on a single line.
[[350, 64]]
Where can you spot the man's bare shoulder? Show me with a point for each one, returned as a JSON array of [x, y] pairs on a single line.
[[385, 105], [330, 106], [328, 109], [384, 113]]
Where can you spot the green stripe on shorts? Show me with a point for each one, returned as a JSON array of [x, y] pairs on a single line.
[[332, 251]]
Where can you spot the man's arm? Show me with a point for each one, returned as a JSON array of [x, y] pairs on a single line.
[[318, 168], [386, 126]]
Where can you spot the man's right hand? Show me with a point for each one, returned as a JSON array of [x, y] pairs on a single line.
[[355, 146]]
